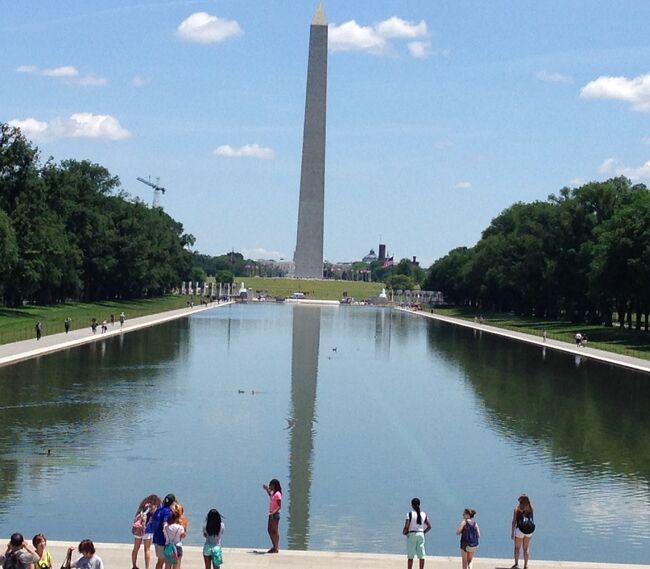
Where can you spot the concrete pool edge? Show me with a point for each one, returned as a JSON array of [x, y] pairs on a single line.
[[629, 362], [27, 349], [119, 554]]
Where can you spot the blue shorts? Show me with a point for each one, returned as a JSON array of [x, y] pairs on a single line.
[[275, 517]]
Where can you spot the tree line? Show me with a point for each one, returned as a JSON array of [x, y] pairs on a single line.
[[68, 231], [583, 254]]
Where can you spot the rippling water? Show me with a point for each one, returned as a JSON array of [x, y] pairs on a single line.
[[354, 410]]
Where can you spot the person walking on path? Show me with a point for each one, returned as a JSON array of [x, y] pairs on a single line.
[[122, 319], [67, 323], [160, 517], [88, 559], [523, 527], [142, 530], [18, 554], [44, 558], [469, 533], [274, 490], [212, 531], [39, 330], [416, 525]]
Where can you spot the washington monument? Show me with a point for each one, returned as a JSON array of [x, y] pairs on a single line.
[[309, 245]]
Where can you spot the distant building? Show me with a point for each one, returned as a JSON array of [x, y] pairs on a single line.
[[382, 252], [370, 257]]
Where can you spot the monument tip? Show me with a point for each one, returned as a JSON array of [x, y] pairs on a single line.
[[319, 17]]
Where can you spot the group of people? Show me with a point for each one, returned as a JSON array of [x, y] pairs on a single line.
[[417, 524], [163, 523], [19, 555], [94, 324]]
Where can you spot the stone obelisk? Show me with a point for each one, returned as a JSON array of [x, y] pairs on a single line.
[[309, 244]]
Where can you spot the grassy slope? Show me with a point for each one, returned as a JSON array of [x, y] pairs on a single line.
[[321, 290], [18, 323], [619, 340]]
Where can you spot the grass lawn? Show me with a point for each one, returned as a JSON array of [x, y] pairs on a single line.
[[18, 323], [619, 340], [313, 289]]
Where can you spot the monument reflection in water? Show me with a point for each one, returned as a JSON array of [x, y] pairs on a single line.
[[304, 379]]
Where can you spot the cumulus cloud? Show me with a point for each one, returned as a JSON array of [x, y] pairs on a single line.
[[420, 49], [464, 185], [395, 27], [635, 91], [350, 36], [613, 167], [77, 125], [246, 151], [553, 77], [202, 27], [67, 72], [262, 253]]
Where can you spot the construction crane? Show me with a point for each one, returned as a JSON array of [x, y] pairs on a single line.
[[157, 189]]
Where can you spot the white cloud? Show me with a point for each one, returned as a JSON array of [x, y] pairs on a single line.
[[464, 185], [420, 49], [69, 73], [92, 81], [395, 27], [202, 27], [78, 125], [351, 36], [612, 167], [577, 182], [139, 81], [608, 166], [246, 151], [646, 140], [553, 77], [65, 71], [262, 253], [635, 91]]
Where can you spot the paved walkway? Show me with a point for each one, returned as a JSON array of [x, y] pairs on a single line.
[[601, 355], [17, 351], [119, 556]]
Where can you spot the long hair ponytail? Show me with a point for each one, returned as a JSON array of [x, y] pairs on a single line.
[[415, 502]]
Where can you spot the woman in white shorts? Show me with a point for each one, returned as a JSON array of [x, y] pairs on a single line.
[[142, 531], [522, 528]]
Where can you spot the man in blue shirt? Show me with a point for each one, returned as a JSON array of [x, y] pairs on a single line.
[[160, 516]]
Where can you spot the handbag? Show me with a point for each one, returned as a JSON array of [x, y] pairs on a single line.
[[67, 561], [217, 555], [137, 528]]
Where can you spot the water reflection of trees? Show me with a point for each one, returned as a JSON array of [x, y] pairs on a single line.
[[68, 400], [592, 414]]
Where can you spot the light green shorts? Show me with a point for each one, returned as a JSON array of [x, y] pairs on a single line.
[[415, 545]]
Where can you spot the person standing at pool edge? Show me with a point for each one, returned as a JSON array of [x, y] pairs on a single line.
[[470, 534], [274, 490], [523, 527], [160, 517], [416, 525]]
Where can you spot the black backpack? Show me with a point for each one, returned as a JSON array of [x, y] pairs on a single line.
[[525, 522], [11, 560], [470, 533]]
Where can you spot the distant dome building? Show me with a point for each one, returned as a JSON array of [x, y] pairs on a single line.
[[370, 257]]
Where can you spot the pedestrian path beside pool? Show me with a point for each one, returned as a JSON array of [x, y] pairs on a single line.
[[115, 555], [629, 362], [26, 349]]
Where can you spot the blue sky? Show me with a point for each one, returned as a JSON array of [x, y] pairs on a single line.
[[440, 114]]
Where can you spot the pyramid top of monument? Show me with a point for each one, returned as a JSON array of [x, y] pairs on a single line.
[[319, 17]]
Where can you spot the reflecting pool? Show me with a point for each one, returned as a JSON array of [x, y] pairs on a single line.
[[354, 410]]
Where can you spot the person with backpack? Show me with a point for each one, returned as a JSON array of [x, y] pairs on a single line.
[[416, 525], [212, 531], [18, 554], [158, 521], [142, 530], [523, 527], [469, 533]]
